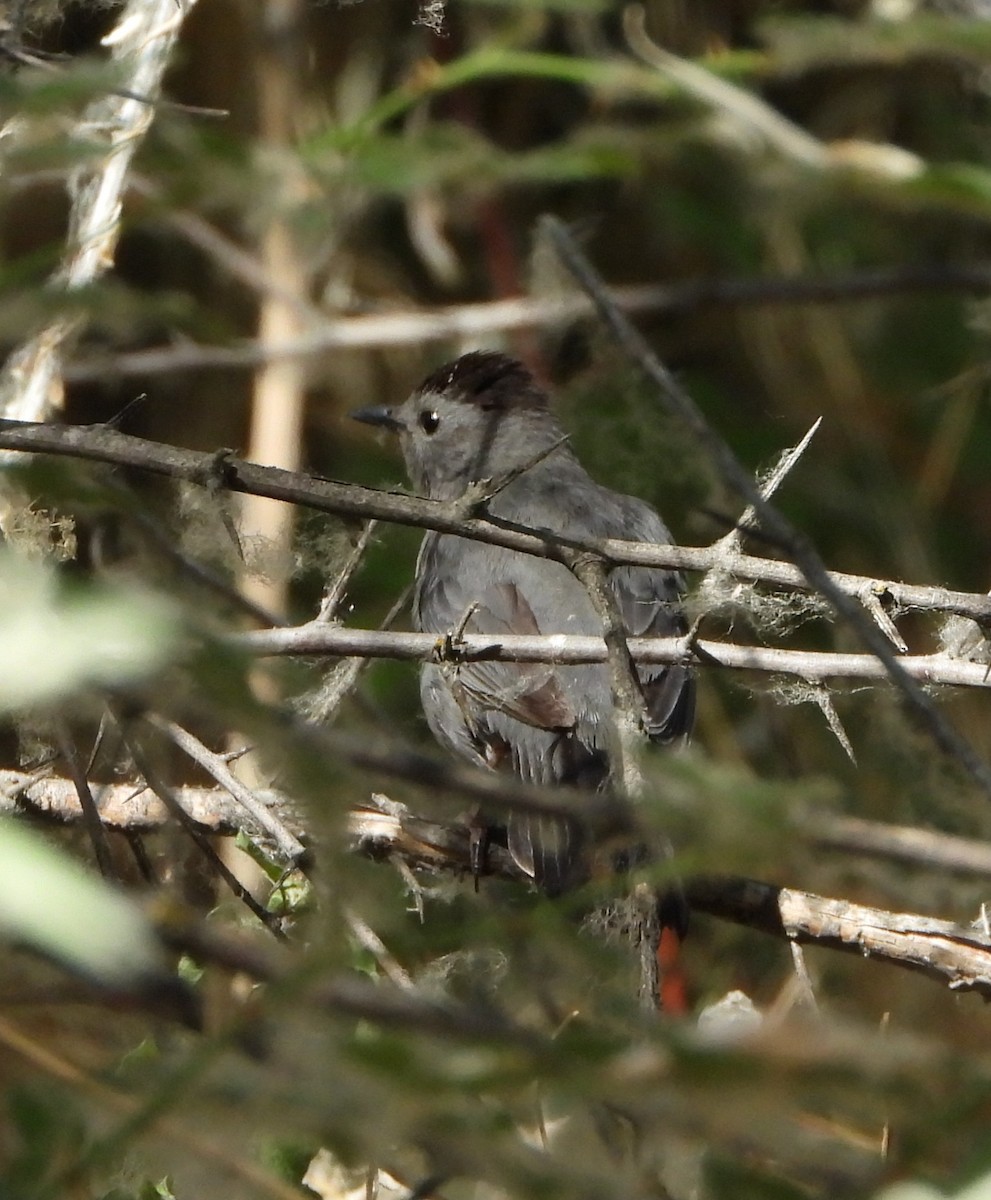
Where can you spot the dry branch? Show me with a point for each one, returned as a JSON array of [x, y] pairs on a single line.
[[128, 806], [259, 813], [958, 956], [810, 665], [461, 323], [141, 45], [98, 443]]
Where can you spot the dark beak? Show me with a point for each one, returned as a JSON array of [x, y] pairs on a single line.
[[384, 417]]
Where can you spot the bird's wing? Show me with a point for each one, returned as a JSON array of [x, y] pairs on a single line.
[[528, 692], [649, 601]]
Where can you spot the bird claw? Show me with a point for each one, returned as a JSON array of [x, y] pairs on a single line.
[[450, 647]]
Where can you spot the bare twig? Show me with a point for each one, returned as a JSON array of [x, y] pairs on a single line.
[[97, 443], [956, 955], [627, 694], [239, 263], [335, 589], [478, 494], [369, 940], [141, 760], [627, 729], [604, 815], [87, 804], [902, 843], [135, 808], [465, 322], [320, 704], [814, 666], [768, 486], [123, 806], [258, 812]]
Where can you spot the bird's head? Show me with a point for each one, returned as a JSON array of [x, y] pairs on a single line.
[[479, 417]]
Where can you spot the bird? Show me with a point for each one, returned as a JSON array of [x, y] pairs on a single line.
[[484, 417]]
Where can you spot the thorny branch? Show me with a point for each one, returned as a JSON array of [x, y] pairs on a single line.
[[813, 666], [677, 401], [98, 443], [134, 808]]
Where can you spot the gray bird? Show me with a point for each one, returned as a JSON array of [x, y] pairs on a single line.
[[483, 416]]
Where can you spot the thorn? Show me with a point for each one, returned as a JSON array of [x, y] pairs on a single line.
[[871, 598], [825, 702], [768, 486]]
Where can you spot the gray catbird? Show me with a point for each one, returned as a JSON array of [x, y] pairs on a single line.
[[484, 417]]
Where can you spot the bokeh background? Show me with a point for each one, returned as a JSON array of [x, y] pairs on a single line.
[[801, 200]]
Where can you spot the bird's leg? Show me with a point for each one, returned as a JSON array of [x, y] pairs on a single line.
[[479, 839]]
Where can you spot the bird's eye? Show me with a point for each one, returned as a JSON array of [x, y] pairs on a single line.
[[429, 421]]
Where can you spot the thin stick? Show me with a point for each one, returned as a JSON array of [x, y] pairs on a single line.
[[289, 845], [91, 814], [335, 590], [628, 699], [164, 793]]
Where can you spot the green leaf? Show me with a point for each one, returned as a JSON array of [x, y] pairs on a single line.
[[55, 906], [453, 156], [618, 78], [965, 187], [58, 639]]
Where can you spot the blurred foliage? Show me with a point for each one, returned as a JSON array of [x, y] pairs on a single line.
[[418, 165]]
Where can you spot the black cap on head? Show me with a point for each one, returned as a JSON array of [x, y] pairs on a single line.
[[488, 379]]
